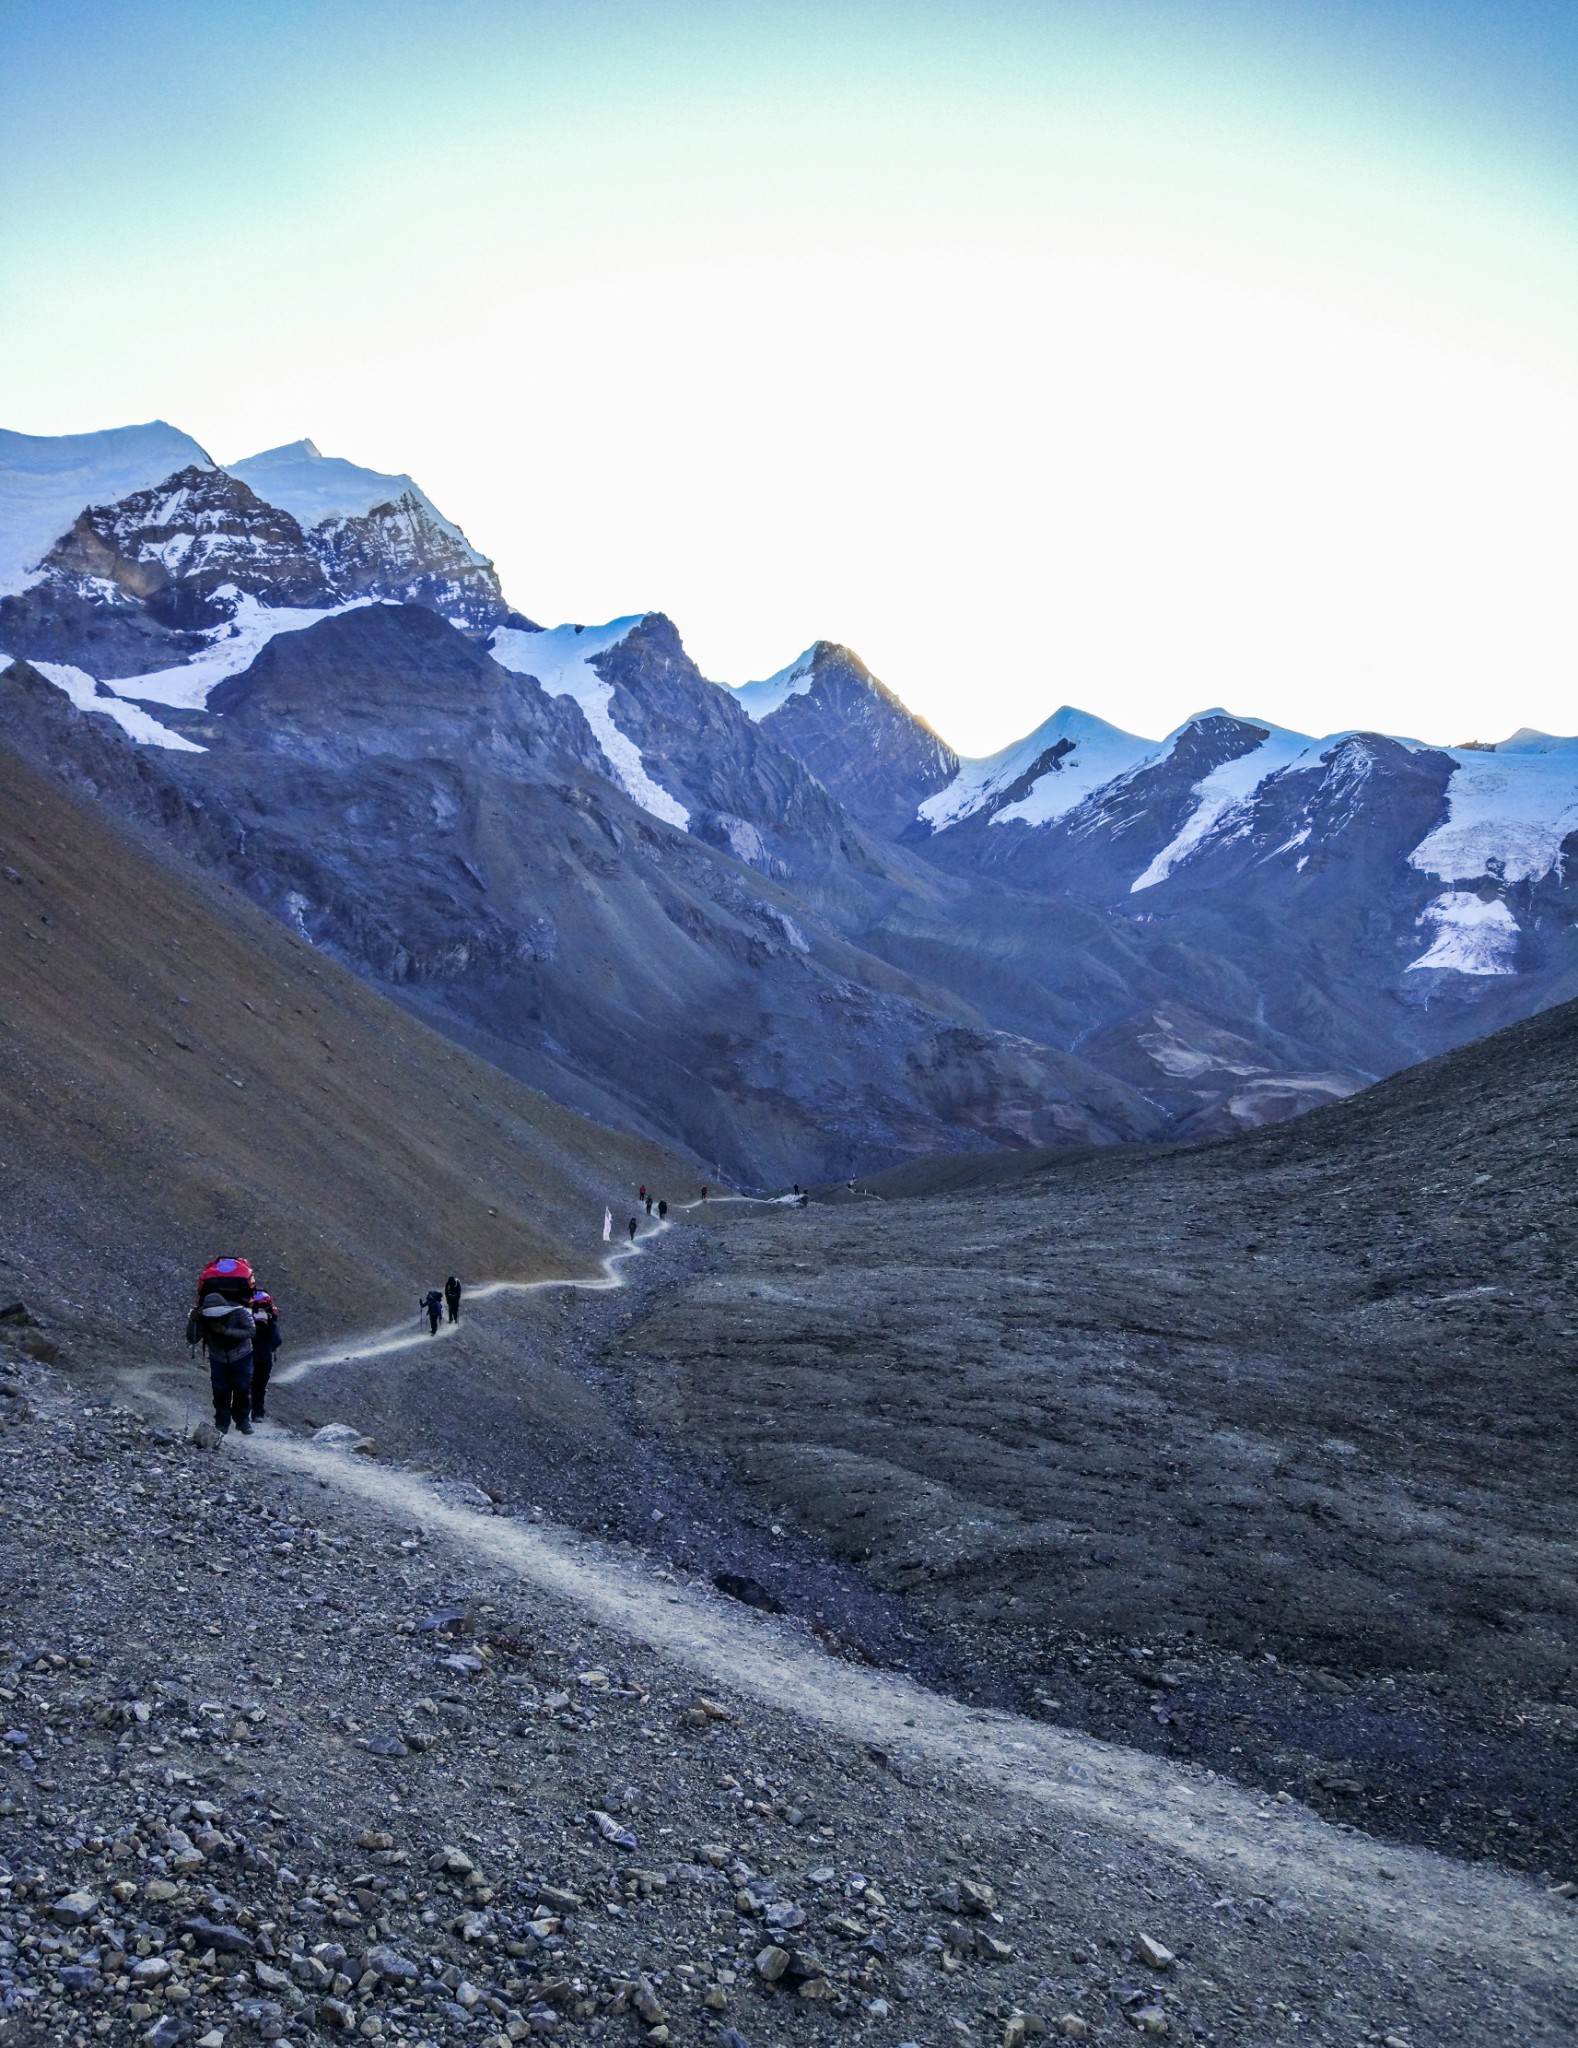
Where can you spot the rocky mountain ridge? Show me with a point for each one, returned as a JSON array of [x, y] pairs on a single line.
[[1225, 926]]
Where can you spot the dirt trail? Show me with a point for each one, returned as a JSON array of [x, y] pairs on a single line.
[[1401, 1899]]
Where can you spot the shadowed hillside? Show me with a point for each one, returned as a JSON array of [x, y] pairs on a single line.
[[180, 1076]]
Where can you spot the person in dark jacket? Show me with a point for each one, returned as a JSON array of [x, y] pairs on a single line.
[[224, 1329], [432, 1305], [632, 1230], [662, 1209], [452, 1298], [266, 1340]]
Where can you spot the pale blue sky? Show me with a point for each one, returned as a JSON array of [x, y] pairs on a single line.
[[1142, 355]]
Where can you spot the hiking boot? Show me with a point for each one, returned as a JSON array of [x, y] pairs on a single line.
[[245, 1426], [258, 1415], [222, 1424]]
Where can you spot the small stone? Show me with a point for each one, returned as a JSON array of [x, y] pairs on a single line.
[[466, 1994], [771, 1964], [1073, 2028], [270, 1978], [151, 1970], [339, 1436], [334, 2012], [717, 1999], [611, 1831], [227, 1940], [167, 2031], [1150, 2019], [392, 1966], [74, 1908], [1153, 1954], [79, 1977], [158, 1889], [976, 1898], [370, 1838], [214, 2038]]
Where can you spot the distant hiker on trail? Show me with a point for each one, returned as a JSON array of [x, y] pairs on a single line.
[[432, 1303], [648, 1201], [452, 1298], [632, 1230], [704, 1191], [641, 1192], [662, 1209], [266, 1340], [608, 1224], [222, 1323]]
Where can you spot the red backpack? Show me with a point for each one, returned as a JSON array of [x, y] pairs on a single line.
[[230, 1277]]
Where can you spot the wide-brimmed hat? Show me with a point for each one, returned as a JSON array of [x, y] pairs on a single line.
[[216, 1305]]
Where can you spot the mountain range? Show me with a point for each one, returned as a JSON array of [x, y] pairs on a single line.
[[783, 927]]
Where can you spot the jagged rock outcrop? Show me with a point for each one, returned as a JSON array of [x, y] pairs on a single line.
[[854, 735]]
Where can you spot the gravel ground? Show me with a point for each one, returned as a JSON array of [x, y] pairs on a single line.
[[282, 1763]]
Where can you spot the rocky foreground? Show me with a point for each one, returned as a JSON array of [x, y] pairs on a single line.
[[279, 1767]]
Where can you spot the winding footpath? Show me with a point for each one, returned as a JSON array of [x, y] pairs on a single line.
[[1408, 1900]]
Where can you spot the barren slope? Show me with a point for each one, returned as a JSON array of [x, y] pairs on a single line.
[[179, 1075], [1261, 1454]]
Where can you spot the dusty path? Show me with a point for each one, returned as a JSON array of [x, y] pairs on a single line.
[[1408, 1901]]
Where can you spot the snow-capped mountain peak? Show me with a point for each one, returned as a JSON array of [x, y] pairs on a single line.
[[47, 479], [314, 487], [561, 658], [761, 700], [1041, 777]]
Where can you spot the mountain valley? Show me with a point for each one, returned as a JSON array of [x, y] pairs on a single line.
[[782, 928]]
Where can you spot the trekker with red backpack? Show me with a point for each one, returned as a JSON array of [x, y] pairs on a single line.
[[222, 1323]]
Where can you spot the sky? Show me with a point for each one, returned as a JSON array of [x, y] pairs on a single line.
[[1144, 356]]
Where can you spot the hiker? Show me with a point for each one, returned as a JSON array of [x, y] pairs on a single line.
[[641, 1192], [266, 1340], [662, 1209], [649, 1204], [632, 1230], [452, 1298], [224, 1329], [704, 1191], [433, 1303]]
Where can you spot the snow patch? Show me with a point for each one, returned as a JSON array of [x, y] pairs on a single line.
[[761, 700], [1471, 936], [47, 479], [88, 695], [1507, 812], [230, 649], [561, 660], [1222, 792], [1100, 754]]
